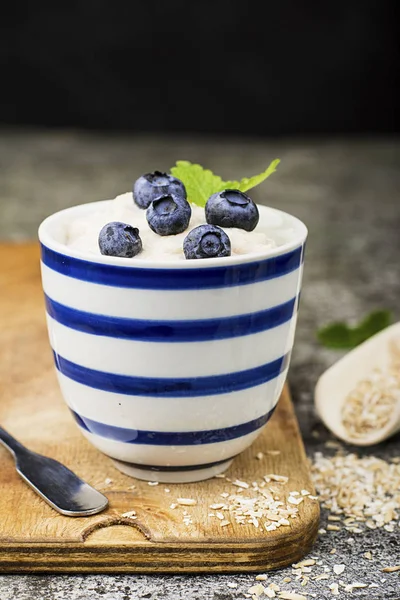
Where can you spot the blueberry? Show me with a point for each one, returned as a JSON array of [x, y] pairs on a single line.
[[153, 185], [120, 239], [169, 215], [232, 208], [206, 241]]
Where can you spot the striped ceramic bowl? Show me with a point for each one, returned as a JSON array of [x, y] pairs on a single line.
[[171, 369]]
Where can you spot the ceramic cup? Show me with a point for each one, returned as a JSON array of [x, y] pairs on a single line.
[[171, 368]]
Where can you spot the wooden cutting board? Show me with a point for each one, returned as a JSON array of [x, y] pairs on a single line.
[[35, 538]]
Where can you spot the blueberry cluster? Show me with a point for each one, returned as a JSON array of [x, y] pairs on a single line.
[[168, 213]]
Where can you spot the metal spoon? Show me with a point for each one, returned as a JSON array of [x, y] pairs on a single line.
[[57, 485]]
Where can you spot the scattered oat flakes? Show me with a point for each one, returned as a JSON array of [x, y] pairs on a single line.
[[291, 596], [334, 587], [333, 551], [360, 489], [167, 490], [257, 589], [274, 587], [368, 555], [295, 500], [305, 493], [277, 478], [107, 481], [270, 593], [224, 523], [307, 562], [152, 483], [358, 585], [273, 452], [240, 484], [338, 569], [173, 505], [258, 505], [333, 528], [333, 518], [259, 455], [231, 584], [186, 501], [286, 580], [217, 506], [262, 577], [321, 531], [131, 514], [354, 529], [391, 569], [322, 576]]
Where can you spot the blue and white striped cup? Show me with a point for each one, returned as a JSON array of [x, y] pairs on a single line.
[[171, 368]]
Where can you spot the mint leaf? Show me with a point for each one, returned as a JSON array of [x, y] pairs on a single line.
[[343, 336], [201, 183], [247, 183]]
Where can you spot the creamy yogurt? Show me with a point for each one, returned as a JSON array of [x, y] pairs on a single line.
[[83, 232]]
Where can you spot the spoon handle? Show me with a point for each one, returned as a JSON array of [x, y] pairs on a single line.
[[54, 482], [10, 443]]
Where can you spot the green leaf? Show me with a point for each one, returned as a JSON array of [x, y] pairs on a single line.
[[247, 183], [343, 336], [201, 183]]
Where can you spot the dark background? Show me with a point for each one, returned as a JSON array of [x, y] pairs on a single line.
[[257, 68]]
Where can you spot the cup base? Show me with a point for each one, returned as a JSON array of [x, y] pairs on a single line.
[[170, 476]]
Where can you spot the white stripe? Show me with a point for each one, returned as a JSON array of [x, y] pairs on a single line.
[[163, 359], [170, 304], [172, 455], [172, 414]]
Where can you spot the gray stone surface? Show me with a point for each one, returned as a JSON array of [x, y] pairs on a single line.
[[347, 192]]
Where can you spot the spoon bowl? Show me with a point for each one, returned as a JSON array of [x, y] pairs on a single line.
[[338, 381]]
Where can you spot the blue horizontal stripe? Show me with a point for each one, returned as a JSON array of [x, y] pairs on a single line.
[[172, 387], [170, 438], [170, 331], [172, 279]]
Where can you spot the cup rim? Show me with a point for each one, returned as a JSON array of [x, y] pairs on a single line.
[[48, 240]]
